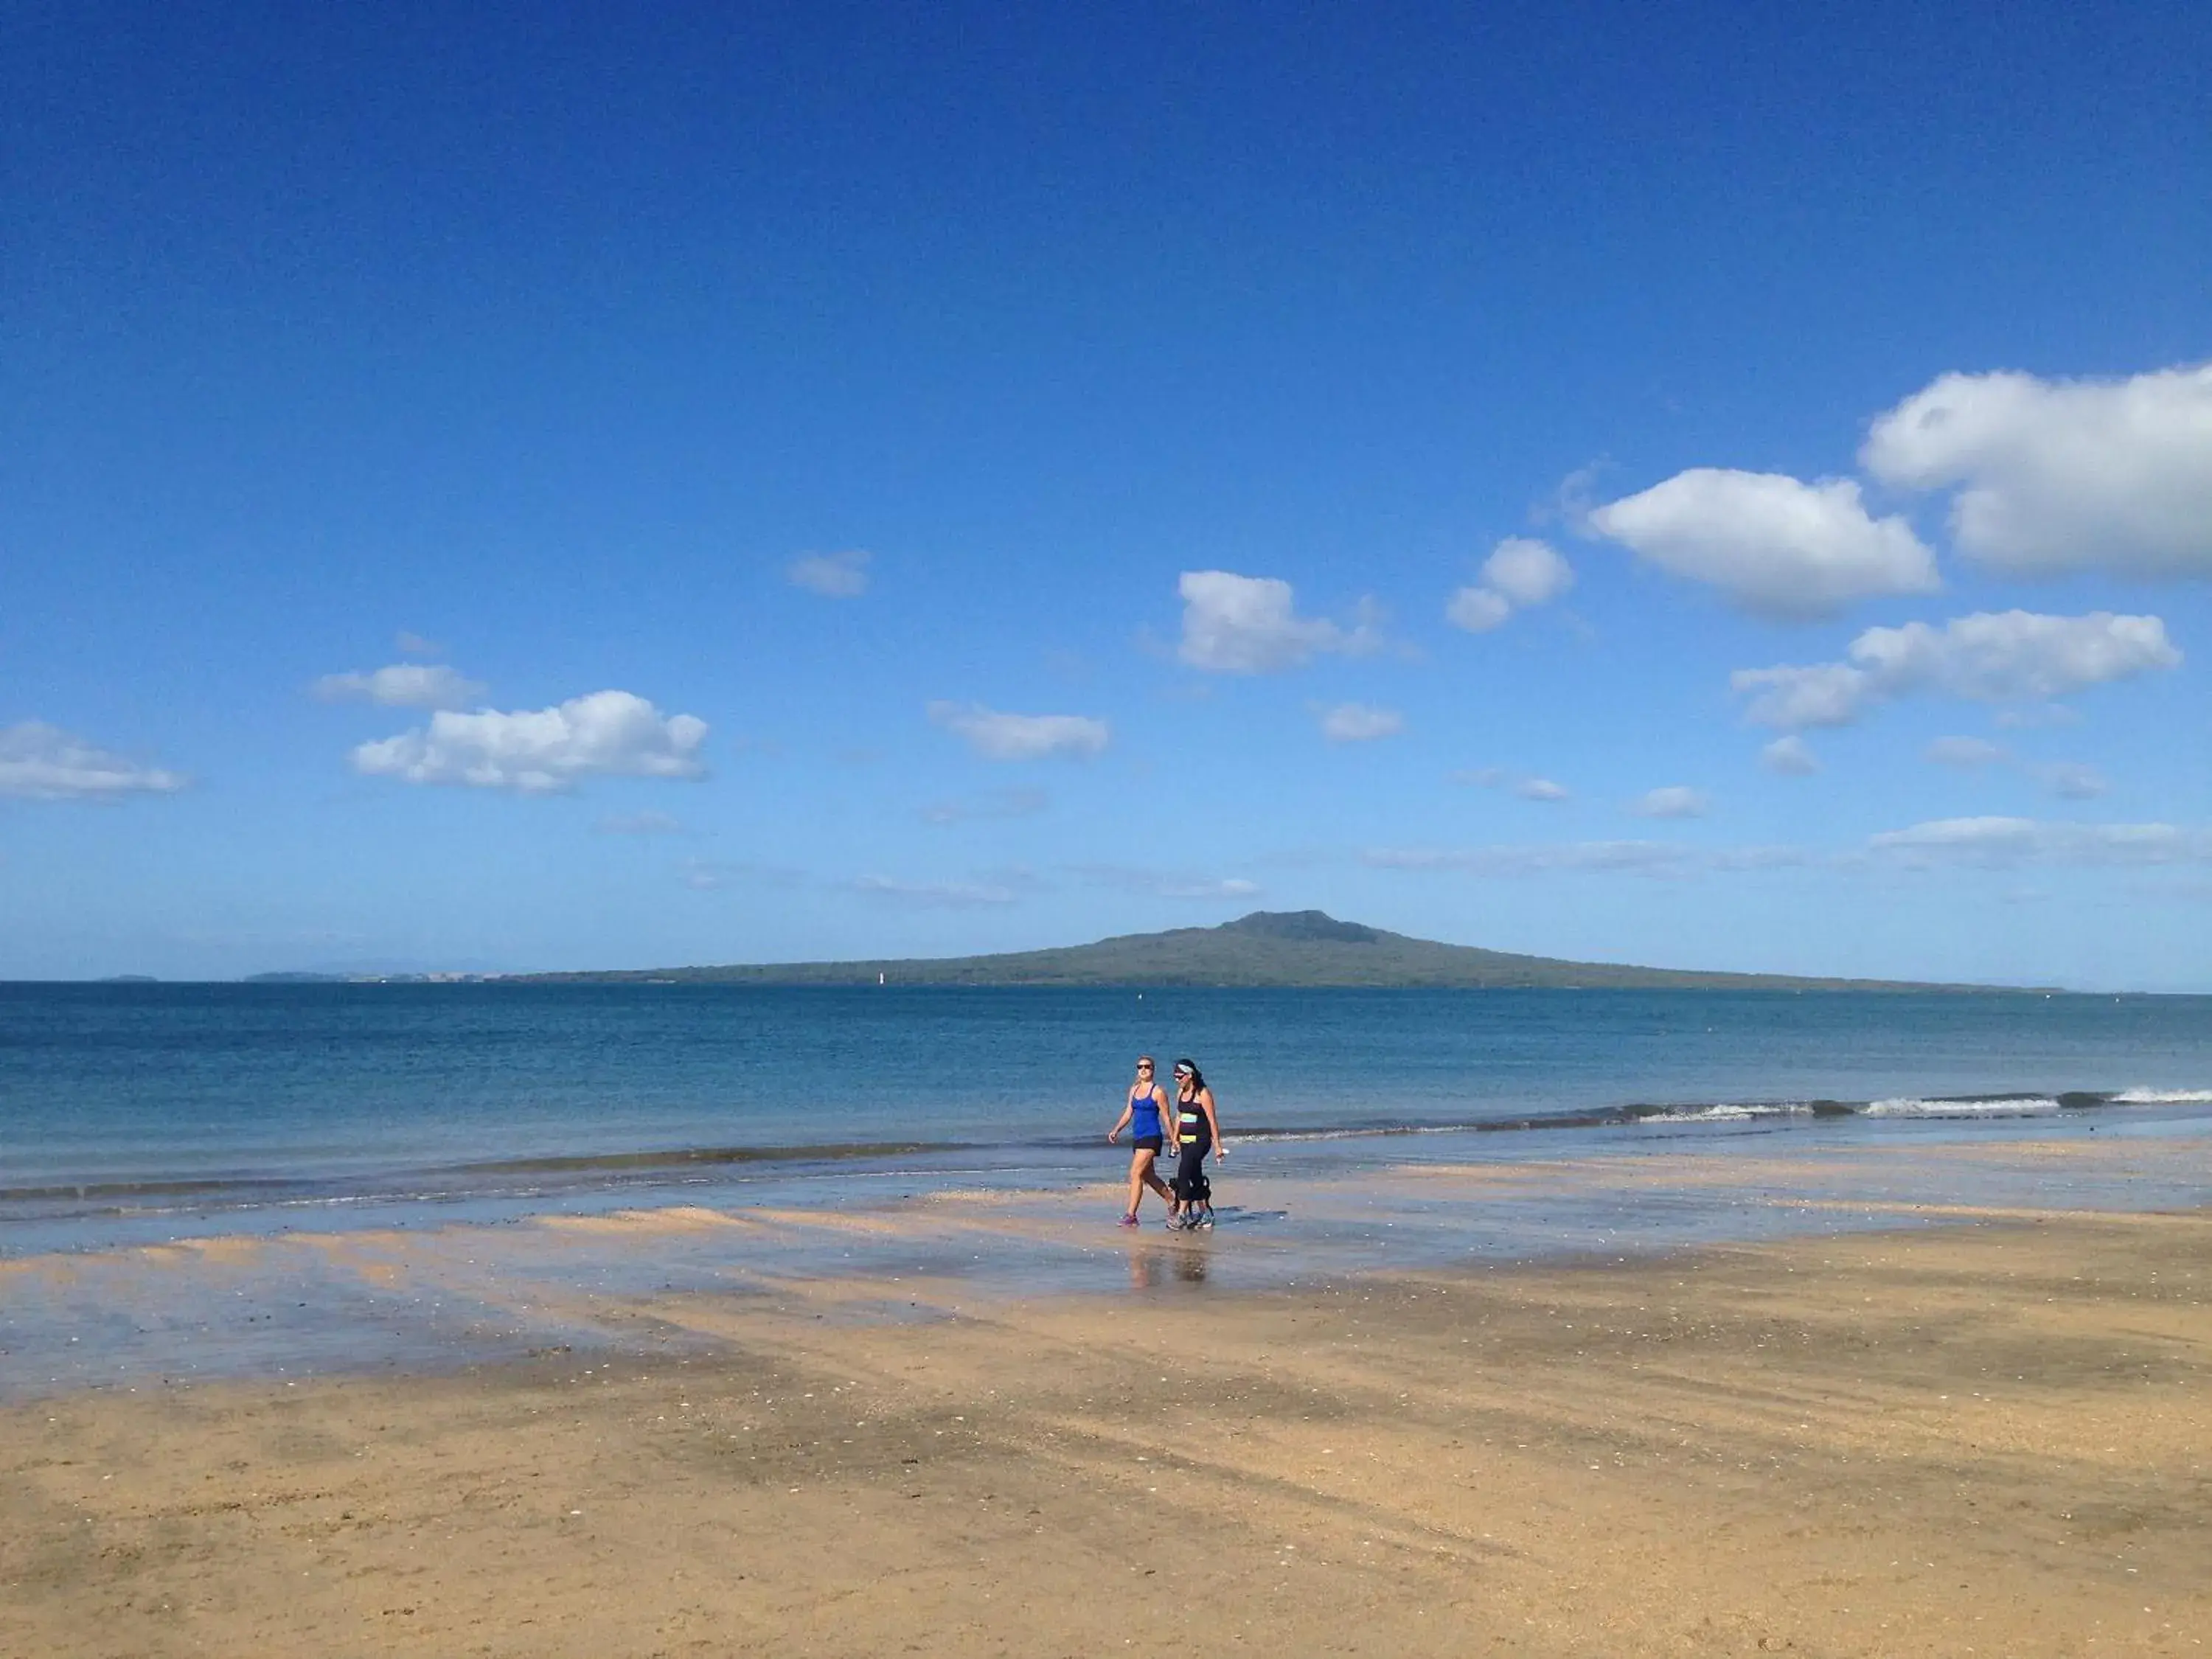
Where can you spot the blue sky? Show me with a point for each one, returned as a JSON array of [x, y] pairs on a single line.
[[580, 488]]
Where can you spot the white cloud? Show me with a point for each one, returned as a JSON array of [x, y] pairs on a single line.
[[1790, 697], [2062, 475], [1519, 572], [1778, 547], [403, 685], [1540, 789], [941, 894], [1021, 737], [1674, 801], [1477, 610], [832, 576], [1968, 754], [2015, 656], [638, 823], [414, 645], [1988, 657], [1359, 722], [1527, 571], [999, 803], [39, 762], [1791, 756], [607, 733], [1235, 624], [2004, 842]]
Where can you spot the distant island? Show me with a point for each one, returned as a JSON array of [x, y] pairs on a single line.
[[1287, 948]]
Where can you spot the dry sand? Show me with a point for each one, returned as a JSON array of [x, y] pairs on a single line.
[[1992, 1438]]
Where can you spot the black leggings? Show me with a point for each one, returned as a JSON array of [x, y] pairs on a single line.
[[1191, 1186]]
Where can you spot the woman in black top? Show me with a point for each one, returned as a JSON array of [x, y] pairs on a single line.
[[1196, 1129]]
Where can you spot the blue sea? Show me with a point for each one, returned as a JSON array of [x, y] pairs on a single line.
[[126, 1107], [200, 1180]]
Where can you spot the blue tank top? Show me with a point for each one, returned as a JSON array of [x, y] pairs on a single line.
[[1144, 1114]]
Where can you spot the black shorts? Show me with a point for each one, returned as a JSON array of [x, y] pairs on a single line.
[[1148, 1143]]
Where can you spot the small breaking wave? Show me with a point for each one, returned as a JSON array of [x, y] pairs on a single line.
[[2001, 1106], [2163, 1098], [1733, 1111]]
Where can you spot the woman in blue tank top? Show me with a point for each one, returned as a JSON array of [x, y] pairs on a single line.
[[1142, 1115]]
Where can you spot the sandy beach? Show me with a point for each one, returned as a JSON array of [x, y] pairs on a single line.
[[1983, 1438]]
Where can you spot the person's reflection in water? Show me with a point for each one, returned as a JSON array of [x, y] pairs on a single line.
[[1151, 1265], [1145, 1268]]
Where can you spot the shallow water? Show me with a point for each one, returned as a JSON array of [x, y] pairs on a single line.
[[430, 1290], [126, 1108], [212, 1181]]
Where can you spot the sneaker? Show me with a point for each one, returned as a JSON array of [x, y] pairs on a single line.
[[1205, 1219], [1129, 1220]]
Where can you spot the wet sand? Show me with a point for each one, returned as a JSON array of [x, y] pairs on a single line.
[[1991, 1436]]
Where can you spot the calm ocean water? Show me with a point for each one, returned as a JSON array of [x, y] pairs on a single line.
[[133, 1103], [210, 1180]]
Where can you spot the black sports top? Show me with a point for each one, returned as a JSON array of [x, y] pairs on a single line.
[[1191, 1126]]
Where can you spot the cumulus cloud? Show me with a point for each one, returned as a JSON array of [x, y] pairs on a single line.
[[1778, 547], [2062, 475], [939, 895], [999, 803], [403, 685], [1477, 610], [1359, 722], [1968, 754], [1235, 624], [1988, 657], [1674, 801], [832, 576], [1791, 696], [1021, 737], [414, 645], [606, 734], [2001, 841], [1527, 571], [1540, 789], [1791, 756], [1520, 572], [39, 762]]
